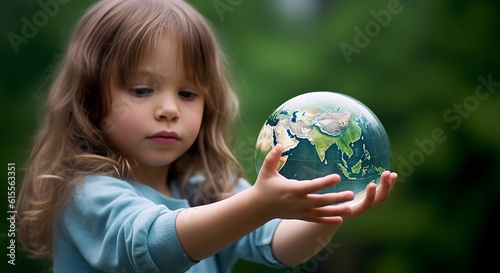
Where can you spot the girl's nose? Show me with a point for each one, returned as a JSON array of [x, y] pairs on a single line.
[[167, 108]]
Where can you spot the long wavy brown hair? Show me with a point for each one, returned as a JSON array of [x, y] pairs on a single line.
[[109, 42]]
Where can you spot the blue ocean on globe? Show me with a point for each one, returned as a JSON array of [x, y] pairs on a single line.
[[327, 132]]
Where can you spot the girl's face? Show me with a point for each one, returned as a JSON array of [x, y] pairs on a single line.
[[157, 116]]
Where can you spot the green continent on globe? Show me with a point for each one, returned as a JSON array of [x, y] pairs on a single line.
[[323, 133]]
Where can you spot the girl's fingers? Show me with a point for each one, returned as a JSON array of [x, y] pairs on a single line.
[[272, 159], [327, 199], [375, 195], [315, 185], [329, 211], [304, 186], [387, 181], [324, 220]]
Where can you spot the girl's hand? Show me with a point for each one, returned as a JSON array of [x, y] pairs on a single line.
[[283, 198], [373, 195]]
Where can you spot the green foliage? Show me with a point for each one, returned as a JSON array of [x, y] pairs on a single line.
[[419, 65]]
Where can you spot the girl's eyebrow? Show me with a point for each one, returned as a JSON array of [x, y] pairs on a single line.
[[155, 74]]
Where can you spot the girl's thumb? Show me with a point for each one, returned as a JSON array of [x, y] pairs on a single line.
[[272, 159]]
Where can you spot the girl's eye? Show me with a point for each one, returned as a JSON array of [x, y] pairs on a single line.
[[141, 91], [189, 95]]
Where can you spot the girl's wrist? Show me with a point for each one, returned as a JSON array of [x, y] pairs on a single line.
[[256, 202]]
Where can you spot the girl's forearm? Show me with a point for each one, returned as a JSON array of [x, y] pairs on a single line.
[[205, 230], [308, 239]]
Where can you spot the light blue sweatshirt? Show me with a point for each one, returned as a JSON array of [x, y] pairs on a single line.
[[112, 225]]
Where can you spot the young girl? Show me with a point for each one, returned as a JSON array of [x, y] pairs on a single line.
[[132, 171]]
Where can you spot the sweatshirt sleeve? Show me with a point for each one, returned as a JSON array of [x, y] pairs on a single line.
[[117, 230]]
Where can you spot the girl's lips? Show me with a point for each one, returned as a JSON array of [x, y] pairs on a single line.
[[165, 138], [165, 134]]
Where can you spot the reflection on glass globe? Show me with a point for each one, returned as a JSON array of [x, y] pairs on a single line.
[[326, 132]]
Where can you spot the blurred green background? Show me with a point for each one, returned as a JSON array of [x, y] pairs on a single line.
[[422, 66]]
